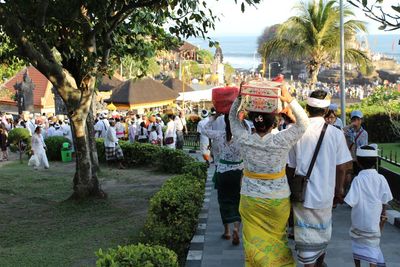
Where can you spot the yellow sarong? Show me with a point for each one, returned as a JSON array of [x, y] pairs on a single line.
[[264, 232]]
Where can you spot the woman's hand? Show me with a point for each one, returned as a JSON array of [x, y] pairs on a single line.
[[288, 112], [285, 95]]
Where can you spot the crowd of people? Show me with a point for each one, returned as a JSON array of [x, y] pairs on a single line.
[[139, 128], [39, 127], [282, 175]]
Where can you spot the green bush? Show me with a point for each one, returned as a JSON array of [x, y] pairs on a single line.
[[54, 145], [196, 169], [20, 140], [173, 214], [376, 122], [137, 256], [171, 160]]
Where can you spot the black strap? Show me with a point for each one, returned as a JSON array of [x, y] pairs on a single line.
[[314, 158]]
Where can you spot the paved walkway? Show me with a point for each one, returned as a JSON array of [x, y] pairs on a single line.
[[209, 250]]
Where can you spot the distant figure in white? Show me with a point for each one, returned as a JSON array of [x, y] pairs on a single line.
[[204, 140], [39, 158]]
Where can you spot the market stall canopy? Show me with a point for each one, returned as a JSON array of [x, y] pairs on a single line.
[[177, 85], [196, 96]]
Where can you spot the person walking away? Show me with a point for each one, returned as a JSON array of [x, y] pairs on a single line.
[[101, 127], [132, 131], [228, 177], [313, 216], [170, 133], [3, 141], [368, 195], [160, 125], [264, 204], [356, 137], [120, 128], [181, 128], [142, 134], [113, 150], [204, 140], [39, 149], [153, 136], [67, 132]]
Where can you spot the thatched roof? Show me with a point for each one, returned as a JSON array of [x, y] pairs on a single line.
[[177, 85], [186, 46], [107, 84], [141, 91]]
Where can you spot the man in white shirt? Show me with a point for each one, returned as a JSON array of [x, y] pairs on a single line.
[[112, 149], [101, 127], [204, 140], [180, 123], [313, 218]]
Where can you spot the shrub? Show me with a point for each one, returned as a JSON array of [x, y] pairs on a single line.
[[54, 145], [171, 160], [173, 213], [20, 140], [137, 154], [376, 122], [137, 255], [196, 169]]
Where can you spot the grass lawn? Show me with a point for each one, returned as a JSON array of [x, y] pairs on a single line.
[[39, 228], [395, 148]]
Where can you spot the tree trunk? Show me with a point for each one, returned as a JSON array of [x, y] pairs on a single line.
[[79, 104], [313, 70]]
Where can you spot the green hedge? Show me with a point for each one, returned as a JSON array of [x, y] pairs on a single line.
[[173, 215], [377, 123], [54, 145], [147, 155], [137, 255]]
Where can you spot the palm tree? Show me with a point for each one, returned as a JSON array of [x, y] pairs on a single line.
[[313, 36]]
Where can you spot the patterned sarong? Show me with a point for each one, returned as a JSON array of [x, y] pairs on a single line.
[[113, 153], [264, 232], [365, 247], [312, 232]]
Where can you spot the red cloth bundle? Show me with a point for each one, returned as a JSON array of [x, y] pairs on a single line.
[[223, 98]]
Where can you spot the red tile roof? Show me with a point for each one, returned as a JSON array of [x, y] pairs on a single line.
[[38, 79]]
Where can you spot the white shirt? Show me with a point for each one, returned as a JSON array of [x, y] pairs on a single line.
[[67, 131], [132, 132], [180, 123], [333, 152], [267, 154], [111, 137], [368, 192], [101, 128], [153, 136], [201, 124]]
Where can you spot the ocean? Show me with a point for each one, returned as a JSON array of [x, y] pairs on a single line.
[[241, 51]]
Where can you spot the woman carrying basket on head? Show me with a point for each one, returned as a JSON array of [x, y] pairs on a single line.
[[265, 204]]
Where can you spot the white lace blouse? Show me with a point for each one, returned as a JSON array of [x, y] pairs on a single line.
[[229, 151], [267, 154]]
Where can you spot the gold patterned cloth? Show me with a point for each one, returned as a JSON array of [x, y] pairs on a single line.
[[264, 232]]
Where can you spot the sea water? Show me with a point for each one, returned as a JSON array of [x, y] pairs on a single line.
[[241, 51]]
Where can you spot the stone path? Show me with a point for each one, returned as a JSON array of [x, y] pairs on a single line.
[[209, 250]]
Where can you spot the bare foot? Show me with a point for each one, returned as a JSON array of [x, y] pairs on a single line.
[[235, 239]]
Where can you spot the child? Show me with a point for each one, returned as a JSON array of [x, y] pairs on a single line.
[[153, 137], [369, 192]]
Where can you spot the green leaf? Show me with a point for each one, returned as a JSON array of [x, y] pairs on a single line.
[[242, 7], [396, 8], [382, 27], [364, 3]]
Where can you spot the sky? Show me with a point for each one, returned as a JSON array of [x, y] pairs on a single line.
[[254, 20]]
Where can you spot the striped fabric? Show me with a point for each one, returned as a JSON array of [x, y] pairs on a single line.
[[312, 232]]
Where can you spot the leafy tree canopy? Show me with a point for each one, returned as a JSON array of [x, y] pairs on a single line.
[[389, 19]]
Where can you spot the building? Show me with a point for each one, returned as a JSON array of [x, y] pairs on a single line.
[[142, 95], [177, 85], [43, 97]]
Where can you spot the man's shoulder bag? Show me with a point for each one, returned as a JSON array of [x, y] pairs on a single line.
[[298, 183]]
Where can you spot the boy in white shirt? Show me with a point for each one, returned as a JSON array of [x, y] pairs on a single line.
[[368, 195]]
